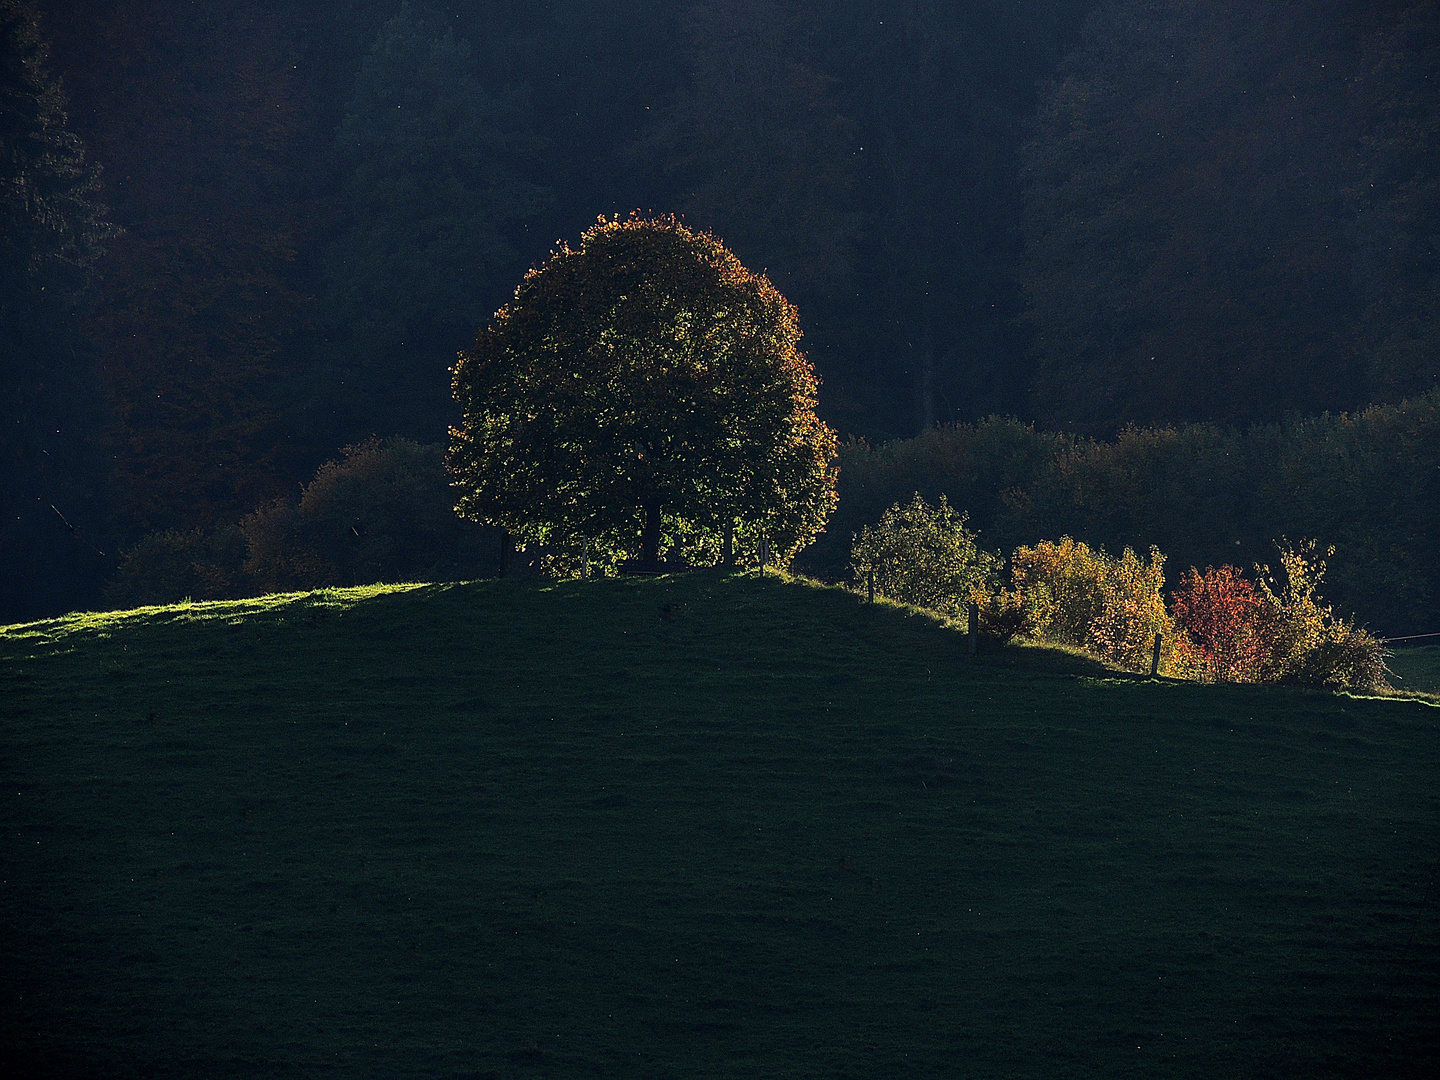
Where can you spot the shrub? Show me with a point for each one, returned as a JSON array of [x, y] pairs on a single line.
[[1073, 578], [1010, 613], [924, 555], [1305, 642], [1225, 625], [167, 567], [383, 512], [1347, 658], [1112, 606]]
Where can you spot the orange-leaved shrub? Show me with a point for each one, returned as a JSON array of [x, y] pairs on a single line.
[[1110, 605]]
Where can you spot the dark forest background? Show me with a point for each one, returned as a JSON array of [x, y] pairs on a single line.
[[1084, 215]]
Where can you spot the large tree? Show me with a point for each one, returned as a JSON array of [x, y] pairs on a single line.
[[645, 382], [52, 227]]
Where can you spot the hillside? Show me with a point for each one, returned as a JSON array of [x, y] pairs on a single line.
[[1416, 668], [699, 825]]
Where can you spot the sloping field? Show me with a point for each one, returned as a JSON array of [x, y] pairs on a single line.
[[1416, 668], [695, 826]]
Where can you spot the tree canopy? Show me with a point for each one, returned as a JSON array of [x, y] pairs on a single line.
[[644, 383]]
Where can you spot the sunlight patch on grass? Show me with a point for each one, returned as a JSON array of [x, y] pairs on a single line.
[[102, 623]]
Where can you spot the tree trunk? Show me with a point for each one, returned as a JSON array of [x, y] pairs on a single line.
[[650, 538], [507, 545]]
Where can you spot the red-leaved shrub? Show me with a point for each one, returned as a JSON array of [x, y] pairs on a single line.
[[1277, 632], [1224, 622]]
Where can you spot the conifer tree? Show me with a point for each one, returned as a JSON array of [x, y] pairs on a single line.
[[1231, 213], [765, 156], [199, 302], [52, 229]]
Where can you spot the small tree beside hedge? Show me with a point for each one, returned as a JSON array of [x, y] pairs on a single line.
[[170, 566], [383, 511], [924, 555]]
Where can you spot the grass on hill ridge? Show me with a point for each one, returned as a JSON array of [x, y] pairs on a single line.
[[1415, 668], [695, 825]]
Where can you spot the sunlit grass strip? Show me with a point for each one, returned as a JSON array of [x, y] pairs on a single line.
[[200, 611]]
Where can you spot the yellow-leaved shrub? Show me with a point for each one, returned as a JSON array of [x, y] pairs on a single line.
[[1085, 597]]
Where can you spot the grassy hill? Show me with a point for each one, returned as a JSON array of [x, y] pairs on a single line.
[[1416, 668], [692, 826]]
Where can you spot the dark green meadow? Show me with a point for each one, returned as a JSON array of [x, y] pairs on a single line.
[[691, 826], [1416, 668]]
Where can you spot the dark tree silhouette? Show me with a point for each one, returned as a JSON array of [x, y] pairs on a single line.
[[197, 304], [761, 148], [52, 229], [1396, 204], [435, 192], [1231, 213]]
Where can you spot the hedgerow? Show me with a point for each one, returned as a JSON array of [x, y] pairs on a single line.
[[1369, 482], [1220, 626]]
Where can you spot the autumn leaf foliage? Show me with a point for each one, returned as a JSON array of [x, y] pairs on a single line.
[[1225, 623], [1278, 632], [1110, 605], [647, 386]]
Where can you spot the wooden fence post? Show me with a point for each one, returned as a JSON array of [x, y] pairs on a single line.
[[1155, 657], [974, 628], [870, 584], [764, 554], [727, 553], [585, 561]]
